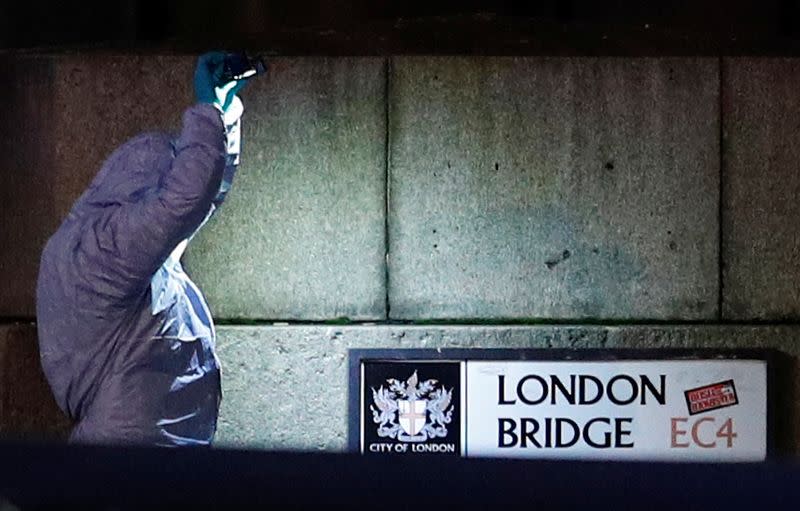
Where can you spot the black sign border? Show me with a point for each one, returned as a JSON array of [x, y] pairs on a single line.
[[779, 375]]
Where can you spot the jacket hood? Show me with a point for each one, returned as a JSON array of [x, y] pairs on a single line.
[[132, 172]]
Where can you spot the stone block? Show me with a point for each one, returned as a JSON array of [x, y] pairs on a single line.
[[761, 249], [301, 235], [554, 188]]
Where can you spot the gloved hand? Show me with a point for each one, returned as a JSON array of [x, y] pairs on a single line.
[[207, 82]]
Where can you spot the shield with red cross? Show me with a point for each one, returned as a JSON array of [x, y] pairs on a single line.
[[412, 415]]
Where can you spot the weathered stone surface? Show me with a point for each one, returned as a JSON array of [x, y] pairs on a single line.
[[302, 233], [286, 387], [27, 178], [553, 188], [761, 249], [27, 407]]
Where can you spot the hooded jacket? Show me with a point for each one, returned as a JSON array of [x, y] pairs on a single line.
[[126, 338]]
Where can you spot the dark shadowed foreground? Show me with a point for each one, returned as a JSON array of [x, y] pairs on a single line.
[[35, 476]]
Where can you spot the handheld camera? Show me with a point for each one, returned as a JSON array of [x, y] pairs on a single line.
[[239, 66]]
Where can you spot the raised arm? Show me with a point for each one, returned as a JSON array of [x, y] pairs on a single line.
[[129, 242], [133, 239]]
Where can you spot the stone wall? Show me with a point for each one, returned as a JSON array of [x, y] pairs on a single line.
[[431, 202]]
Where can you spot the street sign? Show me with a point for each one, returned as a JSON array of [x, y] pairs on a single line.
[[549, 404]]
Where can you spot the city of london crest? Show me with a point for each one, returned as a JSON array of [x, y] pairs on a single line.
[[412, 411]]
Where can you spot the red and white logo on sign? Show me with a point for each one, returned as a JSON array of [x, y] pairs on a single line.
[[711, 397]]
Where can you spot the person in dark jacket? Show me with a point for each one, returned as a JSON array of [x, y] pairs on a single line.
[[126, 338]]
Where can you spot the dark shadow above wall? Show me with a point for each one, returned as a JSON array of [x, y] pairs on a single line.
[[383, 27]]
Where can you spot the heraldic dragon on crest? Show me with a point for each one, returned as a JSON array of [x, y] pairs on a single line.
[[438, 408]]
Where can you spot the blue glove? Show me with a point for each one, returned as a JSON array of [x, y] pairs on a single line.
[[207, 76], [208, 86]]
